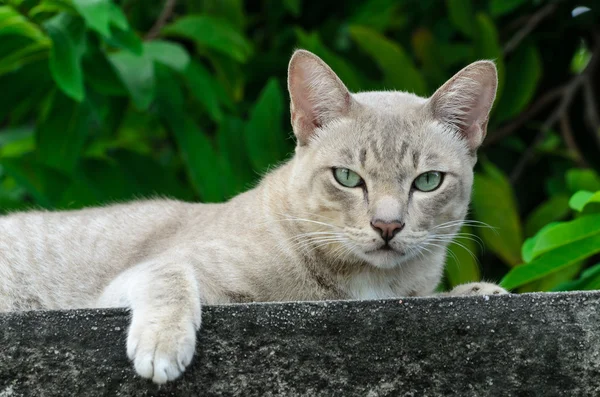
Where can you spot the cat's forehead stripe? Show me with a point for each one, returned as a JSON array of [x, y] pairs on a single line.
[[415, 158], [363, 157]]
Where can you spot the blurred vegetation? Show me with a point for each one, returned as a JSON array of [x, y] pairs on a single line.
[[112, 100]]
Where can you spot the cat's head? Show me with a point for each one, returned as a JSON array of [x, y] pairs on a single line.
[[384, 177]]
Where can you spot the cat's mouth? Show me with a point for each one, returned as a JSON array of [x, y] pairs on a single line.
[[385, 248]]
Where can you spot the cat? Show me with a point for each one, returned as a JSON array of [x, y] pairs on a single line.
[[378, 185]]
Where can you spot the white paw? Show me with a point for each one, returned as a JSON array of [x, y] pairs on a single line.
[[478, 289], [161, 350]]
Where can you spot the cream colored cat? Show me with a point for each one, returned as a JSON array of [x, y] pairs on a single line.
[[379, 184]]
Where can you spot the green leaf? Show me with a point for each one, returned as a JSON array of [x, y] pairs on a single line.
[[51, 7], [230, 75], [527, 250], [171, 54], [196, 149], [13, 23], [232, 147], [68, 44], [461, 265], [500, 213], [96, 13], [589, 280], [213, 33], [583, 198], [555, 209], [101, 76], [581, 179], [551, 281], [581, 58], [125, 39], [229, 10], [525, 69], [564, 233], [552, 261], [23, 56], [62, 134], [44, 184], [16, 141], [399, 70], [39, 82], [118, 18], [137, 74], [204, 88], [265, 140], [380, 15], [149, 177], [293, 6], [502, 7], [462, 16]]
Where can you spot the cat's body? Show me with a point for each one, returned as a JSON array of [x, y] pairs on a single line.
[[302, 234], [233, 264]]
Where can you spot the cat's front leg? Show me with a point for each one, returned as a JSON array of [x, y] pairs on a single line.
[[165, 303], [480, 288]]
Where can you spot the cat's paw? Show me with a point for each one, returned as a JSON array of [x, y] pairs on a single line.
[[161, 349], [477, 289]]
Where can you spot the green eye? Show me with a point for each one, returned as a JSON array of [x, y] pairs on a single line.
[[429, 181], [346, 177]]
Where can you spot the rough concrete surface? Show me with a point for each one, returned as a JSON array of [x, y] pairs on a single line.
[[517, 345]]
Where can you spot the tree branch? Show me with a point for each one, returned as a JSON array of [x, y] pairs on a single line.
[[163, 18], [567, 134], [524, 117], [530, 25], [567, 97]]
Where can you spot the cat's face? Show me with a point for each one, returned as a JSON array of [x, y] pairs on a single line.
[[384, 176]]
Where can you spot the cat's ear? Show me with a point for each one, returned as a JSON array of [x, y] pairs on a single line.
[[466, 99], [317, 95]]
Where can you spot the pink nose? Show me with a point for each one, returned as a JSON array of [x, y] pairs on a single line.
[[387, 230]]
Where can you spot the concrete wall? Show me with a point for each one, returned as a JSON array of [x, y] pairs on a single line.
[[518, 345]]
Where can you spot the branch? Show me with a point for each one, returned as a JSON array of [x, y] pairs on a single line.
[[164, 16], [567, 134], [591, 108], [530, 25], [524, 117], [567, 97]]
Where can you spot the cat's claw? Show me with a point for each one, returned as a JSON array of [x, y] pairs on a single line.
[[477, 289], [161, 350]]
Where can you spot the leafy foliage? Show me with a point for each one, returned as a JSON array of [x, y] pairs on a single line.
[[560, 245], [106, 100]]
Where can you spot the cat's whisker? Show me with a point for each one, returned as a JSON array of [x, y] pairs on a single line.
[[311, 214], [314, 243], [466, 222], [310, 234], [466, 249], [449, 251], [457, 238], [309, 221]]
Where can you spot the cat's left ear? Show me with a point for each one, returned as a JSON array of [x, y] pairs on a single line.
[[317, 95], [465, 101]]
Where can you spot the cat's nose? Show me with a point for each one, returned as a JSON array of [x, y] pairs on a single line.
[[387, 230]]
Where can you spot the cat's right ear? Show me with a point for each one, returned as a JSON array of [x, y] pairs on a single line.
[[317, 95], [465, 101]]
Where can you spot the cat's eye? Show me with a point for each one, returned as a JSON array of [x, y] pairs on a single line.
[[428, 181], [348, 178]]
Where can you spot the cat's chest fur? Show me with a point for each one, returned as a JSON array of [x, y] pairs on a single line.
[[404, 281]]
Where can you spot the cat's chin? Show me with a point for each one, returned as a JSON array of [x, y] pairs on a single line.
[[386, 258]]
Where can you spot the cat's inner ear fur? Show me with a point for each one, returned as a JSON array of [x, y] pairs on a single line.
[[317, 95], [464, 102]]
